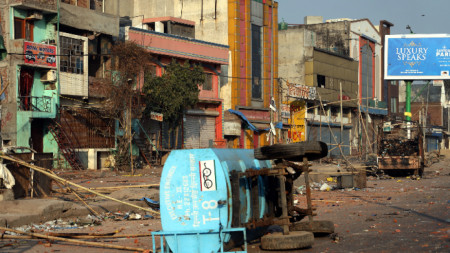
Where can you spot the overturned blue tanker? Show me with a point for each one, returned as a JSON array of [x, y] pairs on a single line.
[[214, 199]]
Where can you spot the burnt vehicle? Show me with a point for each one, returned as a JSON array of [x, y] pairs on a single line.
[[400, 148]]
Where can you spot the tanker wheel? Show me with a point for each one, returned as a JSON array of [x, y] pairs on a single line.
[[294, 240], [319, 227], [293, 151]]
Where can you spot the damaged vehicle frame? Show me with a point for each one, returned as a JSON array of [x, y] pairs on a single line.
[[400, 148]]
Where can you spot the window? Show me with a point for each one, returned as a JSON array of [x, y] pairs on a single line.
[[324, 111], [23, 29], [96, 5], [207, 85], [345, 112], [321, 81], [152, 70], [256, 63], [310, 108], [393, 105], [335, 111], [72, 54], [367, 63]]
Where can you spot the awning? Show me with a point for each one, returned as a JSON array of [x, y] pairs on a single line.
[[375, 111], [252, 126]]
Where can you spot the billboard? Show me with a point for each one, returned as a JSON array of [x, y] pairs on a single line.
[[39, 54], [417, 57]]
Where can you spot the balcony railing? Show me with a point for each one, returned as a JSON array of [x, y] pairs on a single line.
[[35, 104]]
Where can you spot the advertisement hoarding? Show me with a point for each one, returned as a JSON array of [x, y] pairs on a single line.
[[417, 57]]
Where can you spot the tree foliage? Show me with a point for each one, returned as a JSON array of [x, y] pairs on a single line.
[[174, 92], [129, 62]]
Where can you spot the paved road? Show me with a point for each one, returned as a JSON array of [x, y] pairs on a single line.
[[390, 215]]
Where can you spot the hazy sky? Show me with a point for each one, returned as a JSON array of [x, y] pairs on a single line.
[[423, 16]]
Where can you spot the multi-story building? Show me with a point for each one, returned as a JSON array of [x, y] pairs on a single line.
[[429, 107], [248, 82], [202, 125], [55, 50], [341, 60]]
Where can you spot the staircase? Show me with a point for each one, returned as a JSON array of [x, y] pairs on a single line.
[[146, 147], [65, 145]]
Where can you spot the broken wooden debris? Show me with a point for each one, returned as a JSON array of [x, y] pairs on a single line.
[[78, 242], [44, 171], [75, 236]]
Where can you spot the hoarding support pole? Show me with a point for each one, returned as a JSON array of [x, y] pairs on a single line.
[[408, 107]]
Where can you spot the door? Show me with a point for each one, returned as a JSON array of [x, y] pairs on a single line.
[[37, 135]]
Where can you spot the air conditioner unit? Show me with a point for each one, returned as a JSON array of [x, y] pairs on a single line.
[[49, 76]]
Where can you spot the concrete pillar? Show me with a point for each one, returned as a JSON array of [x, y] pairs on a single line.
[[92, 159], [159, 27]]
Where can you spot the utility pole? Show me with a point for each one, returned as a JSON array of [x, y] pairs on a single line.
[[342, 123], [408, 108]]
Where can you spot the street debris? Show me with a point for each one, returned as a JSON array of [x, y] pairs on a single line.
[[52, 175], [77, 242], [6, 177], [325, 187]]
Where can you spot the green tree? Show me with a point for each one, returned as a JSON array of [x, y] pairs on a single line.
[[174, 92]]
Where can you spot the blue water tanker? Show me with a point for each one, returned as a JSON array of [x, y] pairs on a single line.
[[196, 197], [215, 199]]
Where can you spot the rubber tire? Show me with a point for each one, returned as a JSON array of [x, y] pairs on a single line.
[[317, 227], [292, 151], [294, 240]]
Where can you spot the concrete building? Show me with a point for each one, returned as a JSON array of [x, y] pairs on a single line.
[[55, 51], [202, 125], [341, 59], [250, 29], [429, 107]]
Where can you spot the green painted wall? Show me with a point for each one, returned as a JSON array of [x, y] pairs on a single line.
[[40, 30], [23, 128]]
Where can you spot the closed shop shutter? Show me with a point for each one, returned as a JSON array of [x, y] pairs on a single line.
[[316, 133], [345, 142], [432, 143], [199, 131]]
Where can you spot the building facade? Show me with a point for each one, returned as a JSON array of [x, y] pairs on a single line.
[[248, 83], [202, 125], [341, 59], [54, 52]]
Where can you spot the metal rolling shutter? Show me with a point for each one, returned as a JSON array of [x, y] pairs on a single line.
[[199, 131]]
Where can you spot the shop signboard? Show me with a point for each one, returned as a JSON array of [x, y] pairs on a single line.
[[39, 54], [156, 116]]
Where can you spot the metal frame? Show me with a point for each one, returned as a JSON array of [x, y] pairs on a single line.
[[163, 234]]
